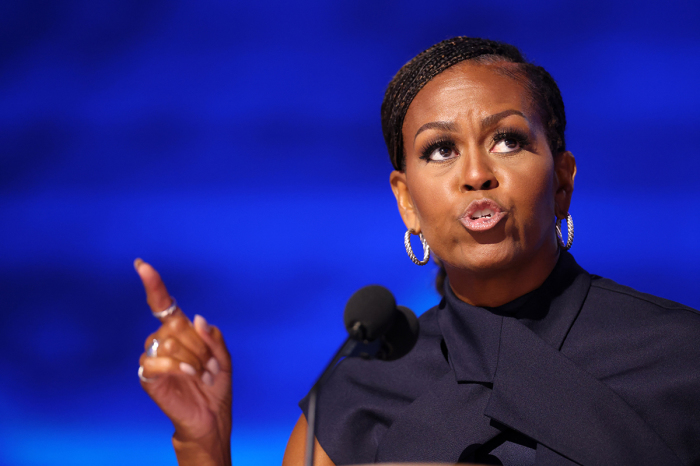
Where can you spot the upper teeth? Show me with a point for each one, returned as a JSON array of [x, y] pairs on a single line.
[[482, 213]]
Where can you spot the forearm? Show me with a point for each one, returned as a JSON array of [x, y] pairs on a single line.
[[214, 450]]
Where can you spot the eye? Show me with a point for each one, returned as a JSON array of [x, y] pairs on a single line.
[[506, 145], [509, 141], [439, 151], [443, 153]]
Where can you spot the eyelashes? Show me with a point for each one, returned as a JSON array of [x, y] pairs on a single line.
[[503, 141], [510, 137], [440, 147]]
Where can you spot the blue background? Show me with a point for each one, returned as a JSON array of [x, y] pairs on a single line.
[[237, 147]]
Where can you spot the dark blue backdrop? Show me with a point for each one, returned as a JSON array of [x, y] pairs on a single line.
[[237, 147]]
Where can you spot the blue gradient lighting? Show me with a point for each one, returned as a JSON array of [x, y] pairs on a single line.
[[237, 147]]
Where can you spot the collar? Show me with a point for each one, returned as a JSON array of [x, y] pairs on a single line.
[[472, 334]]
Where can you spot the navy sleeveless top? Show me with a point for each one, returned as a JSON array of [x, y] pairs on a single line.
[[579, 371]]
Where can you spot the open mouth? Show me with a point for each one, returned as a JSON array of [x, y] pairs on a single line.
[[482, 214]]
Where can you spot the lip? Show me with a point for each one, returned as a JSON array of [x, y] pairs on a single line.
[[494, 210]]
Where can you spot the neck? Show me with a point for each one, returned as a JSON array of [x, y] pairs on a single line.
[[498, 287]]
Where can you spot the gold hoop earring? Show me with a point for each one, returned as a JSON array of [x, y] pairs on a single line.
[[570, 232], [409, 249]]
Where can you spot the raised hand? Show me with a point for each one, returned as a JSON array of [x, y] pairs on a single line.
[[188, 374]]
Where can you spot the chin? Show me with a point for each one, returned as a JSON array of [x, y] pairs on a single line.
[[485, 258]]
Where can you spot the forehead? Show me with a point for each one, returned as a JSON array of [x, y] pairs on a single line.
[[469, 90]]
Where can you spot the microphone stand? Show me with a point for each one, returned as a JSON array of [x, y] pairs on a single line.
[[394, 331], [352, 346]]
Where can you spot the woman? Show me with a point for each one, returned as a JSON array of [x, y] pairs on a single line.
[[528, 358]]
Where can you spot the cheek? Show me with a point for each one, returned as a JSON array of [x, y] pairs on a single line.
[[535, 196], [431, 199]]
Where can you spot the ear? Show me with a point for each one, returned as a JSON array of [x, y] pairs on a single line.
[[404, 200], [564, 174]]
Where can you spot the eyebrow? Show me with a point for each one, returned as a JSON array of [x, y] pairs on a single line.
[[443, 125], [493, 119], [485, 123]]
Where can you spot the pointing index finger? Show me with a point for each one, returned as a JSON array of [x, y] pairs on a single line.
[[157, 294]]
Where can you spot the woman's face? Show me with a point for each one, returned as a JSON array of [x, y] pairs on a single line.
[[480, 181]]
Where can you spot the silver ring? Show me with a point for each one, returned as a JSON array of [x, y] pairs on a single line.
[[145, 379], [167, 312], [152, 350]]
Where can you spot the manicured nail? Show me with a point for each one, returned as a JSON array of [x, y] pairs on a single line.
[[213, 366], [187, 369], [201, 322], [137, 263], [208, 379]]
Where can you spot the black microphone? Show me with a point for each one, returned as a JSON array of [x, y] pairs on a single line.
[[378, 329], [385, 331], [369, 313], [401, 337]]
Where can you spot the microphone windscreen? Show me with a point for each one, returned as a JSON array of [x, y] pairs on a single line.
[[374, 307], [402, 335]]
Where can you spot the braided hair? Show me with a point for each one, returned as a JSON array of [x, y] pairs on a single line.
[[415, 74]]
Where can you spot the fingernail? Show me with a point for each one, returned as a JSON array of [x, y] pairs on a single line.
[[137, 263], [213, 366], [208, 379], [187, 369], [201, 322]]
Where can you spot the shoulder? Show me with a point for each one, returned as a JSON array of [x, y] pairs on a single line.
[[358, 380], [615, 303], [362, 398], [626, 321], [404, 377], [621, 330], [645, 349], [624, 294]]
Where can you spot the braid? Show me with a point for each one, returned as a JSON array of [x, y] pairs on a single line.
[[415, 74], [550, 105]]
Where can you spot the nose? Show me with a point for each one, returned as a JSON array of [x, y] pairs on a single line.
[[477, 173]]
